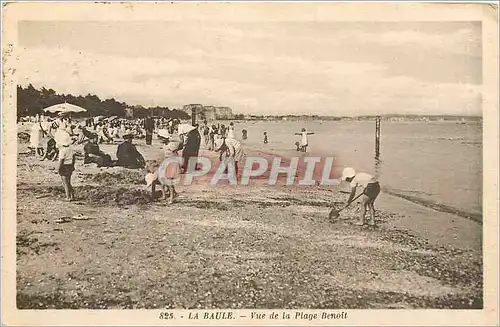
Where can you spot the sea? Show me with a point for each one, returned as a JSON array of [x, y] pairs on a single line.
[[436, 164]]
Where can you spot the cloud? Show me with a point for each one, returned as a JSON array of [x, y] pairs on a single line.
[[462, 41], [246, 82]]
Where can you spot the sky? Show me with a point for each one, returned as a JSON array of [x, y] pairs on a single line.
[[324, 68]]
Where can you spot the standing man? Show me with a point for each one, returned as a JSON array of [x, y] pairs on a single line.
[[149, 126], [191, 139]]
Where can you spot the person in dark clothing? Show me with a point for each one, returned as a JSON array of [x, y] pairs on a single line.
[[191, 147], [149, 126], [211, 137], [51, 152], [128, 156], [85, 135], [94, 155], [222, 130]]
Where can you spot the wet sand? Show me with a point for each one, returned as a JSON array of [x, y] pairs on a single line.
[[255, 246]]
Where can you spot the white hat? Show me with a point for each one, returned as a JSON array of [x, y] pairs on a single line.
[[185, 128], [128, 134], [150, 178], [348, 173], [163, 133]]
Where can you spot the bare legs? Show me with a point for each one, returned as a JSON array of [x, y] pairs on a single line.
[[68, 189], [172, 192], [165, 189], [367, 203]]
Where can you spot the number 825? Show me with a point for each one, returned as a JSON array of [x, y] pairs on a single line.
[[166, 315]]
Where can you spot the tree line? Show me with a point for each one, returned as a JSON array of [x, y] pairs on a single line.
[[31, 101]]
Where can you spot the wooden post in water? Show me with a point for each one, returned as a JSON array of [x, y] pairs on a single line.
[[377, 137], [193, 115]]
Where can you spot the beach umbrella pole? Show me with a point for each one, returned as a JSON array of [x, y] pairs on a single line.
[[377, 137]]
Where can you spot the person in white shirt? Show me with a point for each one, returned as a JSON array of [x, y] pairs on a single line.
[[66, 164], [231, 149], [370, 192], [36, 135], [303, 140], [230, 131]]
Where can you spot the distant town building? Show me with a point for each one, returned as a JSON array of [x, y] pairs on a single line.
[[223, 113], [209, 113]]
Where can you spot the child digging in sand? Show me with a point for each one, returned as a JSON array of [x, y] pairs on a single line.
[[370, 192], [66, 165], [169, 171]]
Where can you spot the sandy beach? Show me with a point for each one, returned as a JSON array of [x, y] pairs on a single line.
[[255, 246]]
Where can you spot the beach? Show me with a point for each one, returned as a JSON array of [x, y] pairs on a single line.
[[225, 246]]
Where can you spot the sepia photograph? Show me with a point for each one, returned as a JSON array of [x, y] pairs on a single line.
[[310, 165]]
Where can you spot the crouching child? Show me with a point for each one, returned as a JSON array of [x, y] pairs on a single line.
[[370, 192]]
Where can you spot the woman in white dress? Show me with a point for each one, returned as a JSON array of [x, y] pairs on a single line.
[[36, 138], [230, 131], [303, 140]]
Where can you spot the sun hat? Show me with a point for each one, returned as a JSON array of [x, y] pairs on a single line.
[[164, 133], [185, 128], [348, 172], [128, 134]]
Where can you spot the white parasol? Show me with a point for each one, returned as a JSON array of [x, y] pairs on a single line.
[[64, 108]]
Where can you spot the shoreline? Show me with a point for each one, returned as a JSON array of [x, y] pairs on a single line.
[[428, 203], [439, 224]]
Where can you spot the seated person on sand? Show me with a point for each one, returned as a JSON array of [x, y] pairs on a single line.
[[84, 135], [94, 155], [103, 134], [107, 135], [127, 154], [51, 151]]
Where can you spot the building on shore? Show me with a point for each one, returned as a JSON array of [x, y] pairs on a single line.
[[210, 113], [140, 112], [223, 113]]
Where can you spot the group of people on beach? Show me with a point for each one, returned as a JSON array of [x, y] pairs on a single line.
[[61, 134]]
